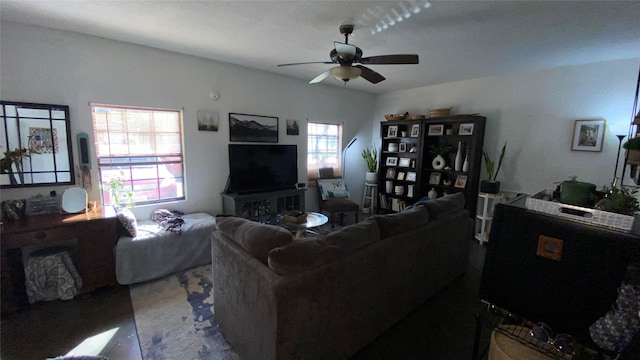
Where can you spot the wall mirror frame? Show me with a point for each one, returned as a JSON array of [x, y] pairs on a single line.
[[35, 145]]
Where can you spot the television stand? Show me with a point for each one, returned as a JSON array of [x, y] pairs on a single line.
[[264, 207]]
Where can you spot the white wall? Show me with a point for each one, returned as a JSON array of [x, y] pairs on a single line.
[[56, 67], [535, 113]]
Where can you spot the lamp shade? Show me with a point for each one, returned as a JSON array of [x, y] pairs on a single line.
[[345, 73]]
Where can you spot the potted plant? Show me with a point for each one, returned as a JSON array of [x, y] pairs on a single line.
[[370, 157], [490, 185], [633, 150], [13, 160], [116, 189], [618, 200]]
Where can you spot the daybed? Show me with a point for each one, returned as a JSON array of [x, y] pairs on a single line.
[[155, 252], [327, 297]]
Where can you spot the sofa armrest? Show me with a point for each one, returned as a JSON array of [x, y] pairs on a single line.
[[244, 302]]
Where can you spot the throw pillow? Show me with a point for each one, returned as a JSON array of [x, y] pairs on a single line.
[[127, 224], [257, 239], [333, 188], [444, 205], [392, 224], [301, 255], [354, 236]]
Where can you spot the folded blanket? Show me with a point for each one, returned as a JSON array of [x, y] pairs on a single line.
[[169, 220]]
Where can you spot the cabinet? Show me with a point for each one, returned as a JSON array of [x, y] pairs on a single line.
[[464, 133], [484, 215], [400, 164], [92, 237], [408, 150], [263, 207]]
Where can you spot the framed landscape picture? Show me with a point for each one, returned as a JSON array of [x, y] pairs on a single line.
[[435, 130], [404, 162], [588, 135], [253, 128], [466, 129]]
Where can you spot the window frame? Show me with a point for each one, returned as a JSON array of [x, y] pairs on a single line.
[[312, 169], [151, 177]]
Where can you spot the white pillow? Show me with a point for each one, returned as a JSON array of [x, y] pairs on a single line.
[[333, 188]]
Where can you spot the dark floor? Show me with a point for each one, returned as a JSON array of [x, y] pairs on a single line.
[[443, 328]]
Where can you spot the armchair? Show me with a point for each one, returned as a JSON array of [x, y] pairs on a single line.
[[333, 197]]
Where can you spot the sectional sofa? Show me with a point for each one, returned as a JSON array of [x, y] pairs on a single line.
[[327, 297]]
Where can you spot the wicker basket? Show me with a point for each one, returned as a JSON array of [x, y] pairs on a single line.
[[434, 113]]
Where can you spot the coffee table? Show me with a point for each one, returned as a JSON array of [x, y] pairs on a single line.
[[314, 220]]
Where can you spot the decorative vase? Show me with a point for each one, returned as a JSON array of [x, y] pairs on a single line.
[[433, 194], [458, 162], [371, 177], [465, 164], [438, 162], [389, 186]]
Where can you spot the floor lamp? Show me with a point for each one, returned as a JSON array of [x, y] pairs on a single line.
[[615, 172]]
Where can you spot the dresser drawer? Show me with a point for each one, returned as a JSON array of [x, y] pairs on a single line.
[[36, 237]]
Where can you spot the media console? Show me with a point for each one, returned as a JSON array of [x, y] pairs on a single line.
[[263, 207]]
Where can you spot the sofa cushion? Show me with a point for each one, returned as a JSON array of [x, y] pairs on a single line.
[[311, 252], [444, 205], [257, 239], [392, 224]]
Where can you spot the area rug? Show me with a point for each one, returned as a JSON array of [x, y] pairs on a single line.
[[175, 318]]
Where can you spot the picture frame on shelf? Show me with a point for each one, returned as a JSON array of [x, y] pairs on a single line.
[[392, 161], [404, 162], [434, 178], [465, 129], [401, 175], [392, 131], [411, 176], [415, 130], [391, 173], [402, 147], [588, 135], [461, 181], [436, 130]]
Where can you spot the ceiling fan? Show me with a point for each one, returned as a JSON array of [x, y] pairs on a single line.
[[346, 55]]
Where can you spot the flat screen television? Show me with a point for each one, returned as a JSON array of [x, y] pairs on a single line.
[[261, 168]]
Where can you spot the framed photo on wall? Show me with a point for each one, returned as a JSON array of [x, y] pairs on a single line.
[[392, 161], [392, 131], [588, 135], [461, 181], [465, 129], [404, 162], [411, 176], [403, 147], [401, 175], [391, 173], [434, 178]]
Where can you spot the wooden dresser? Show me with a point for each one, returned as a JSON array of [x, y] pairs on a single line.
[[92, 237]]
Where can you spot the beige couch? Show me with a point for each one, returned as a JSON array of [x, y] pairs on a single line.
[[328, 297]]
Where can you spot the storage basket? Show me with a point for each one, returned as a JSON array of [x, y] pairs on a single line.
[[434, 113], [577, 213]]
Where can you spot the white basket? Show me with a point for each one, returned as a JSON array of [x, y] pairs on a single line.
[[577, 213]]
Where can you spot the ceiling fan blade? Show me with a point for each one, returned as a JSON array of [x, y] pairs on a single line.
[[320, 77], [310, 62], [370, 75], [391, 59], [346, 51]]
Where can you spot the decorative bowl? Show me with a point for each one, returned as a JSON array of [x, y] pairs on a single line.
[[391, 117], [417, 117]]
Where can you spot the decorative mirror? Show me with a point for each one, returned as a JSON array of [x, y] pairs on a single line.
[[35, 145]]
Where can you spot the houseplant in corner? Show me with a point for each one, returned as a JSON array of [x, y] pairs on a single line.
[[490, 185], [370, 156]]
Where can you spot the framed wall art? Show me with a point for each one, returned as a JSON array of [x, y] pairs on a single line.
[[411, 176], [403, 147], [404, 162], [461, 181], [434, 178], [207, 120], [391, 173], [588, 135], [253, 128]]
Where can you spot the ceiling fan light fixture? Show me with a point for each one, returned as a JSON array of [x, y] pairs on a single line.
[[345, 73]]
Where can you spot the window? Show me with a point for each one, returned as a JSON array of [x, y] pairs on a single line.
[[324, 142], [142, 149]]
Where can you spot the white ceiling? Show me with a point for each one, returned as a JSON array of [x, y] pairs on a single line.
[[456, 40]]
